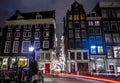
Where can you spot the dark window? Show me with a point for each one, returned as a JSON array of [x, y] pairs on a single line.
[[72, 56], [78, 55], [85, 55]]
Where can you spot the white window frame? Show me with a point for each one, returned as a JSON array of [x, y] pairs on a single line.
[[47, 44], [36, 44], [15, 46], [7, 47], [29, 44]]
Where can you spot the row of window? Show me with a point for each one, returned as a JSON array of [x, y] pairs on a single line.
[[29, 34], [38, 16], [25, 46], [110, 38], [76, 17], [43, 57], [96, 49], [78, 56], [77, 33], [113, 51], [111, 13], [111, 26], [27, 27]]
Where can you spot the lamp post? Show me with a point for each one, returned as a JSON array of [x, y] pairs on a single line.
[[31, 49]]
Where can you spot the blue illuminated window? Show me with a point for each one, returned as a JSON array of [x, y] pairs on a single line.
[[93, 49]]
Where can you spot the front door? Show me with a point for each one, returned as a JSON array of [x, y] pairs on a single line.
[[47, 68]]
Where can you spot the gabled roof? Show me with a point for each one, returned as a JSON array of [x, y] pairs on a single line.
[[32, 15]]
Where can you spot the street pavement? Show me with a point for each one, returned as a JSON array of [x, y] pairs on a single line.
[[67, 79]]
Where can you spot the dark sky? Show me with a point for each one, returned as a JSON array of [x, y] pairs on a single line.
[[8, 8]]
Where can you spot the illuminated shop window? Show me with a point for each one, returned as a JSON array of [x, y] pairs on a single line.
[[93, 49]]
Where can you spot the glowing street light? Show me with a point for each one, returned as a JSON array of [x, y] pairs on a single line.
[[31, 49]]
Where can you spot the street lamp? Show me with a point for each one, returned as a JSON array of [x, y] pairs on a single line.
[[31, 49]]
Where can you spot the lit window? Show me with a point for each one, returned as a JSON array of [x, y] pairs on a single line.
[[109, 52], [100, 49], [93, 49], [116, 51], [97, 23], [70, 17], [90, 23], [82, 17], [45, 44], [76, 17], [46, 34], [108, 38], [116, 38]]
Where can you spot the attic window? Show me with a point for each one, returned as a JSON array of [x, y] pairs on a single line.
[[19, 17], [38, 16]]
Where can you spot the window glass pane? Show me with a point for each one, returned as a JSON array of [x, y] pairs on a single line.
[[116, 38], [72, 56], [97, 23], [78, 55], [71, 44], [7, 46], [78, 44], [85, 55], [15, 46], [109, 52], [77, 33], [108, 38], [116, 51], [76, 24], [93, 49], [104, 13], [100, 50], [118, 13], [47, 57], [90, 23], [45, 44], [36, 44], [25, 46], [71, 34]]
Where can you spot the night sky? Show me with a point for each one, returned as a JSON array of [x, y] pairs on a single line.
[[9, 7]]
